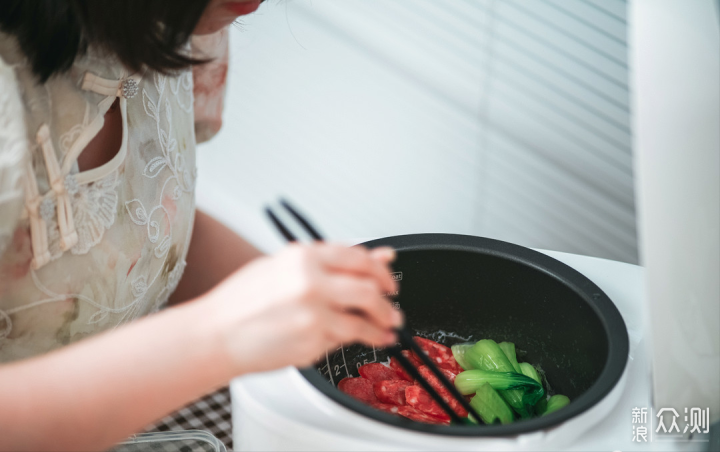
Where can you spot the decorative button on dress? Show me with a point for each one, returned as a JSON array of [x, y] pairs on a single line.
[[83, 252]]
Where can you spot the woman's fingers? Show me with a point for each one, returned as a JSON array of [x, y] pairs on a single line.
[[348, 328], [383, 254], [359, 260], [286, 309], [361, 296]]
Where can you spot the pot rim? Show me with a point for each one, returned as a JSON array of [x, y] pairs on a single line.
[[608, 314]]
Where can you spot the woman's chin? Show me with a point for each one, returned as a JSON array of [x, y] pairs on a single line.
[[221, 13], [210, 26]]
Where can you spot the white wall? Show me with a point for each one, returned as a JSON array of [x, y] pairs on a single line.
[[502, 118], [676, 54]]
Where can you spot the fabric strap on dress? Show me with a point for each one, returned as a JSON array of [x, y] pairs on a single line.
[[127, 87], [66, 225], [58, 177], [38, 229], [112, 89]]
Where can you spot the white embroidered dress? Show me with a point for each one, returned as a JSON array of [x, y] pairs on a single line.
[[82, 252]]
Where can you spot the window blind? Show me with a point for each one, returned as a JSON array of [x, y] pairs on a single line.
[[501, 118]]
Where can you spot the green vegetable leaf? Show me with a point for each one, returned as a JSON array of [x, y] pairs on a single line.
[[458, 351]]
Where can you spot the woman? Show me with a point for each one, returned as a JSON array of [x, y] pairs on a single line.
[[97, 226]]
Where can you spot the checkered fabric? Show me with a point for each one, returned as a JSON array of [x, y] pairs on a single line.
[[212, 413]]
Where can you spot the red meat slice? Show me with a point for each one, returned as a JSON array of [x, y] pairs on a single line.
[[395, 364], [454, 404], [416, 415], [433, 380], [359, 388], [452, 366], [444, 393], [391, 391], [411, 356], [419, 398], [378, 372], [439, 354], [392, 409]]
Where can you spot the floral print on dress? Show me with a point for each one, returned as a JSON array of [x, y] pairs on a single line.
[[133, 220]]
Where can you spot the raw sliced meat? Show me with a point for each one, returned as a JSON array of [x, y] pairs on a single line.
[[378, 372], [454, 404], [391, 391], [433, 380], [452, 366], [411, 356], [440, 355], [395, 365], [416, 415], [444, 393], [434, 350], [392, 409], [359, 388], [419, 398]]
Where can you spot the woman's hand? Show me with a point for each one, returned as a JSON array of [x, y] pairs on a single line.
[[290, 308], [275, 311]]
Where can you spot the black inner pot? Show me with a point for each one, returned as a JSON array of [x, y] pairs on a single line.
[[457, 288]]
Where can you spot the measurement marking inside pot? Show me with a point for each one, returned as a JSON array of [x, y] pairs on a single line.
[[329, 369], [342, 350]]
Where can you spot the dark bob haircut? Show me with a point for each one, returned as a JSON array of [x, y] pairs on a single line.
[[140, 33]]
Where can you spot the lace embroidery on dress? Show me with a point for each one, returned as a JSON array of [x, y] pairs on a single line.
[[159, 109], [171, 160], [95, 209], [133, 219], [185, 101], [172, 283]]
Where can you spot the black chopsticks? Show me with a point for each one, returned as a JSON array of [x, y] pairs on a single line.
[[403, 334], [406, 339]]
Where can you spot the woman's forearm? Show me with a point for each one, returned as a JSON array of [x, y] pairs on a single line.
[[215, 252], [95, 393]]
